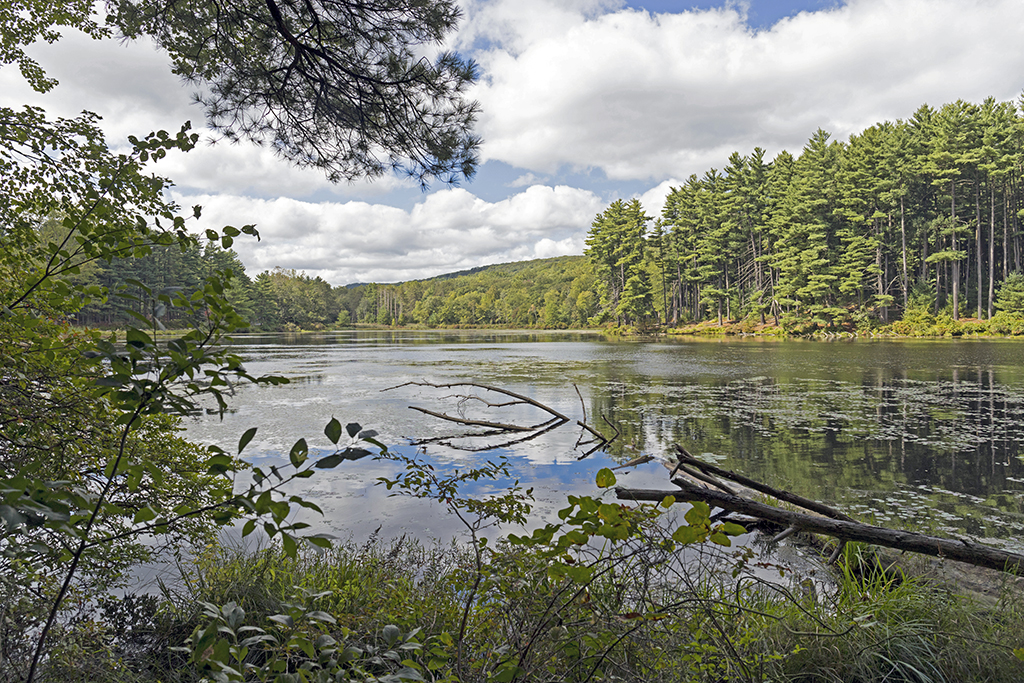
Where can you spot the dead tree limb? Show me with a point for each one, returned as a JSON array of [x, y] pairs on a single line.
[[557, 419], [806, 503], [609, 423], [960, 550], [485, 387], [597, 435], [485, 423], [450, 441]]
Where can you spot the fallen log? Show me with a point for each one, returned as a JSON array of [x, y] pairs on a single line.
[[814, 506], [959, 550]]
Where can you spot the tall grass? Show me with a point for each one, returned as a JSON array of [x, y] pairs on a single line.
[[647, 613]]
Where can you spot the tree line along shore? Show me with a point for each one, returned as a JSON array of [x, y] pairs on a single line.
[[909, 227]]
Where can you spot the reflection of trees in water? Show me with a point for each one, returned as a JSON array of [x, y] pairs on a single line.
[[872, 432]]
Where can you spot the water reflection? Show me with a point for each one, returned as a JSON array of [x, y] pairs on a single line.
[[923, 432]]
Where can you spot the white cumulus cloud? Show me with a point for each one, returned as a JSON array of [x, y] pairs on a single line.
[[360, 242], [644, 96]]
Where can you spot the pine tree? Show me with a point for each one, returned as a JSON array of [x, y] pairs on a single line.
[[861, 185], [616, 244], [807, 237]]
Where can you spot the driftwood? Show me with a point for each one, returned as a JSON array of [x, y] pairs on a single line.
[[833, 523], [483, 423], [701, 470], [523, 432]]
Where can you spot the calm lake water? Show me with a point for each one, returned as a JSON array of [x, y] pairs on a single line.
[[924, 432]]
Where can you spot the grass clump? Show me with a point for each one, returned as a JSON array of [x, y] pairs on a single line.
[[889, 627]]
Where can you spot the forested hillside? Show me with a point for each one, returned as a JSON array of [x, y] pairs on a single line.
[[556, 292]]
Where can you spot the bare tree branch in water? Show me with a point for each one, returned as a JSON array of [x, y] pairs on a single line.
[[532, 431]]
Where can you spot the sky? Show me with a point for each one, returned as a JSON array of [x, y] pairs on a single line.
[[582, 102]]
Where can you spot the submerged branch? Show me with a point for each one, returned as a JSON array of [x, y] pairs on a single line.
[[485, 387], [485, 423], [532, 431]]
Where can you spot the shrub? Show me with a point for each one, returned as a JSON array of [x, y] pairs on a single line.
[[1010, 297]]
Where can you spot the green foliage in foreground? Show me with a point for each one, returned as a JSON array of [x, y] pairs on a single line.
[[393, 611]]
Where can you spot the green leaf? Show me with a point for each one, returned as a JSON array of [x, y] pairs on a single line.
[[506, 674], [298, 453], [138, 338], [321, 616], [319, 541], [282, 619], [219, 464], [686, 535], [330, 462], [378, 444], [668, 501], [289, 545], [391, 634], [355, 453], [733, 529], [720, 539], [246, 438], [699, 514], [11, 517], [353, 429], [605, 478], [333, 430], [144, 515]]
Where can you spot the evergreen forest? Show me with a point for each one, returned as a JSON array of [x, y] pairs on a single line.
[[916, 215]]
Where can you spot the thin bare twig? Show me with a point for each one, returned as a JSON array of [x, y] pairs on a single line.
[[617, 432], [583, 404]]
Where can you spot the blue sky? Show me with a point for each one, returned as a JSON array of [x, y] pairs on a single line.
[[582, 102], [761, 14]]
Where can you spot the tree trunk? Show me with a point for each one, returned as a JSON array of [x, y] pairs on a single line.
[[1006, 231], [956, 262], [880, 273], [991, 249], [903, 239], [961, 550], [977, 239]]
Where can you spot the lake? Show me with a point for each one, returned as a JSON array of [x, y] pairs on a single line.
[[925, 433]]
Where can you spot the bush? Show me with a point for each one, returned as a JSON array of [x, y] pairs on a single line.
[[1007, 323], [1010, 297]]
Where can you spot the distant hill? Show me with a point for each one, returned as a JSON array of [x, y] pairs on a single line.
[[552, 292], [508, 268]]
